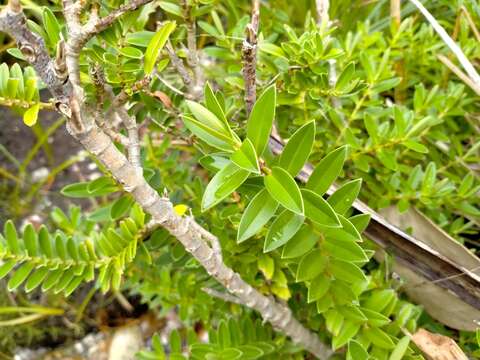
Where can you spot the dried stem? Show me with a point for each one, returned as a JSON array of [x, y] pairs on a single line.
[[466, 64], [249, 56], [457, 71], [322, 11]]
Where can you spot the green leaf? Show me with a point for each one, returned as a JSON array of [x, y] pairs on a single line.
[[346, 271], [283, 229], [360, 221], [301, 243], [266, 264], [30, 116], [318, 288], [20, 275], [415, 146], [372, 127], [400, 349], [223, 184], [345, 77], [51, 25], [4, 76], [30, 240], [311, 265], [213, 104], [35, 279], [298, 148], [208, 118], [379, 299], [6, 267], [121, 206], [156, 44], [388, 158], [246, 158], [356, 351], [327, 171], [12, 237], [345, 250], [77, 190], [349, 330], [261, 118], [45, 242], [375, 318], [379, 338], [342, 199], [171, 8], [429, 178], [131, 52], [347, 232], [212, 137], [318, 210], [284, 189], [256, 215]]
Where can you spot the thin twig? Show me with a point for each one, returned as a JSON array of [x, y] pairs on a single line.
[[466, 64], [457, 71], [249, 56]]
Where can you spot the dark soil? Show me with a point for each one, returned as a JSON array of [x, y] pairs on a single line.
[[19, 139]]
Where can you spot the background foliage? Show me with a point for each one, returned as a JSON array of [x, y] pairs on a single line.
[[411, 130]]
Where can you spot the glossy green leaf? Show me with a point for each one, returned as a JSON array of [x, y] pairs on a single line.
[[51, 25], [360, 221], [415, 146], [121, 206], [156, 44], [11, 236], [298, 148], [374, 318], [217, 139], [261, 118], [283, 188], [256, 215], [400, 349], [208, 118], [356, 351], [345, 250], [327, 171], [301, 243], [345, 77], [346, 271], [213, 104], [282, 229], [342, 199], [246, 158], [379, 338], [223, 184], [20, 275], [131, 52], [30, 240], [311, 265], [171, 8], [317, 288], [348, 331], [6, 267], [4, 76], [318, 210], [35, 279]]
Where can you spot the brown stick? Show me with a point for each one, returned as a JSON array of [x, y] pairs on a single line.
[[249, 56]]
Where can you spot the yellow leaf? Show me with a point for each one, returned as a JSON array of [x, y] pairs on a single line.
[[180, 209], [31, 115]]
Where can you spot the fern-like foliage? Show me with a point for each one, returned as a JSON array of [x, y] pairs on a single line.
[[62, 260], [233, 339]]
